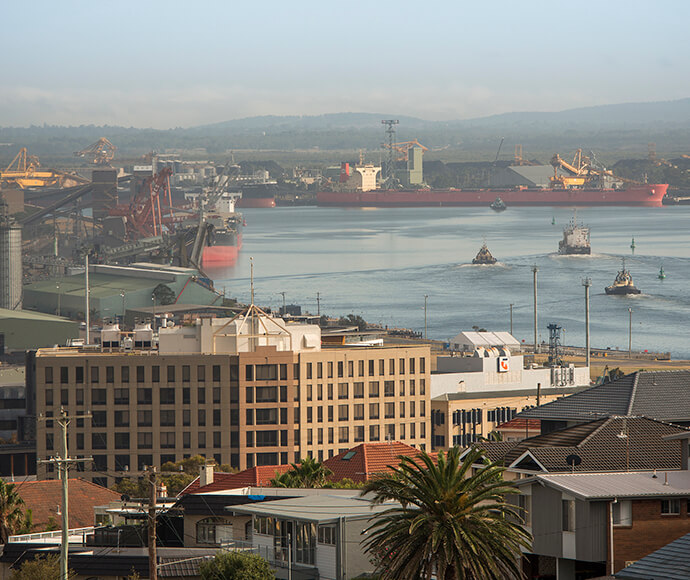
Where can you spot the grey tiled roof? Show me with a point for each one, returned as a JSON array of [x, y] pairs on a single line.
[[600, 445], [663, 395], [672, 562]]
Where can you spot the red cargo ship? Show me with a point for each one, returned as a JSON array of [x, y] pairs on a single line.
[[223, 243], [642, 195]]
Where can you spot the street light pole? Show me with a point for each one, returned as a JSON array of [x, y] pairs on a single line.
[[153, 299], [587, 282], [122, 295], [426, 297], [630, 311], [511, 320], [536, 344], [58, 299]]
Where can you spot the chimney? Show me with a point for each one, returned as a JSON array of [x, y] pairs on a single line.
[[205, 474]]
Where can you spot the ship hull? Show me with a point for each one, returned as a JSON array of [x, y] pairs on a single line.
[[621, 291], [263, 202], [221, 255], [638, 195], [570, 251]]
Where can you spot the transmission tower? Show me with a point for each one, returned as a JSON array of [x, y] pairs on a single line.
[[555, 345], [390, 131]]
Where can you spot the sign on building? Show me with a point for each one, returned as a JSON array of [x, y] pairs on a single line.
[[503, 364]]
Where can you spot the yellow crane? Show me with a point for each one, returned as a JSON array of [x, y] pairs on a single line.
[[403, 148], [101, 152], [23, 172]]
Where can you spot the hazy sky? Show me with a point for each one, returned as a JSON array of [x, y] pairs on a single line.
[[165, 64]]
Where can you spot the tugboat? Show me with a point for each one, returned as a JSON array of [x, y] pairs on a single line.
[[498, 204], [575, 239], [484, 257], [623, 284]]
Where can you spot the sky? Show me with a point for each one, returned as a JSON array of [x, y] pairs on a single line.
[[170, 64]]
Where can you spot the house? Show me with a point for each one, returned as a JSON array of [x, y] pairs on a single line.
[[672, 562], [609, 444], [587, 524], [360, 463], [44, 499], [661, 395]]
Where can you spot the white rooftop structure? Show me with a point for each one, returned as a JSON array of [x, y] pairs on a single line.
[[467, 341]]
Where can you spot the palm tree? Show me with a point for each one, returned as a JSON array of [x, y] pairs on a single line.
[[450, 522], [307, 473], [11, 511]]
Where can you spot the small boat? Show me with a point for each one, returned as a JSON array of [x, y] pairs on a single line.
[[484, 257], [498, 204], [575, 239], [623, 284], [662, 274]]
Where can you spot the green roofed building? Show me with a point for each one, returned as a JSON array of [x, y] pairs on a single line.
[[114, 289], [23, 330]]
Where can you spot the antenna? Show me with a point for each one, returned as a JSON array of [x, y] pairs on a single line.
[[390, 131], [251, 280]]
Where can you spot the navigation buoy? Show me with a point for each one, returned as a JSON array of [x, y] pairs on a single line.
[[553, 220], [632, 245], [662, 274]]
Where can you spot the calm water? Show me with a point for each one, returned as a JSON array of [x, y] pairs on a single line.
[[379, 263]]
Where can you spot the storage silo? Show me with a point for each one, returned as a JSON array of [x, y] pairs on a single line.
[[10, 261]]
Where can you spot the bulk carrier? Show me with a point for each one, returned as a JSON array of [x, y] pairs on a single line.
[[582, 182]]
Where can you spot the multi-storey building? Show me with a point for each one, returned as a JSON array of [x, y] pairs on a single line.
[[278, 398]]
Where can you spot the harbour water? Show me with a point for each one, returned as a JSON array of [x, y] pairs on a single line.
[[379, 264]]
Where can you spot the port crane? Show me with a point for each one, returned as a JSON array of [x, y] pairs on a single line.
[[23, 172], [583, 170], [403, 148], [101, 152]]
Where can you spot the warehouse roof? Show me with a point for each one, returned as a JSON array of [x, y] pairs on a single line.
[[662, 395], [101, 285], [32, 315]]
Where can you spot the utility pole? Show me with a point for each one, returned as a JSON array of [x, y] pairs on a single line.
[[318, 304], [587, 282], [58, 299], [63, 463], [122, 295], [153, 556], [86, 298], [536, 344], [511, 320], [426, 297], [153, 300], [630, 334]]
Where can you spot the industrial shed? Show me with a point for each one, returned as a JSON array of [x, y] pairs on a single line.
[[22, 330]]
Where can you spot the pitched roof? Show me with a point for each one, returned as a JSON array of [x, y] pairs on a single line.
[[259, 476], [610, 444], [663, 395], [367, 459], [44, 497], [604, 486], [672, 562]]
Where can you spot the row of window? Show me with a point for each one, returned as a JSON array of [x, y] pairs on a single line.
[[358, 390], [142, 374], [357, 413], [121, 396], [391, 432], [371, 367]]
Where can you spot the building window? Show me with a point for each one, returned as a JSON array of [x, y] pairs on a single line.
[[64, 397], [568, 509], [216, 417], [201, 417], [373, 388], [186, 418], [98, 396], [144, 418], [359, 433], [359, 412], [267, 438], [49, 441], [124, 374], [95, 378], [213, 530], [670, 507], [373, 410], [144, 396], [167, 418], [343, 435], [121, 440], [390, 432], [155, 374], [216, 373], [167, 396], [79, 375], [121, 418], [269, 416], [215, 393], [201, 396], [330, 413], [360, 368], [168, 440], [49, 375], [343, 391], [140, 374], [109, 374], [343, 413], [99, 419], [99, 441], [80, 396], [201, 438], [145, 441], [64, 375], [266, 372], [327, 535], [121, 396], [389, 410], [341, 369], [402, 409], [524, 503], [622, 513], [266, 394], [374, 433], [171, 373], [350, 368], [330, 370]]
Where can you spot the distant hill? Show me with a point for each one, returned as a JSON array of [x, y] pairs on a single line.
[[624, 129]]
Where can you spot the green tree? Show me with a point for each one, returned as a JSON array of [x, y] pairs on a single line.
[[236, 566], [307, 473], [353, 320], [164, 294], [449, 523], [12, 517], [40, 568]]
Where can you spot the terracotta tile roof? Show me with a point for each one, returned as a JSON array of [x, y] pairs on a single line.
[[255, 476], [518, 424], [367, 459], [44, 497]]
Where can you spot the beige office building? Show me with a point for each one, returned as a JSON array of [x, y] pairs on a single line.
[[281, 397]]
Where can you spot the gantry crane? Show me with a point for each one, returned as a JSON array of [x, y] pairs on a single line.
[[583, 170], [24, 172], [101, 152], [403, 148]]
